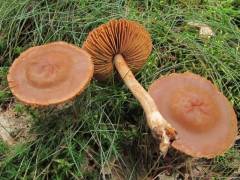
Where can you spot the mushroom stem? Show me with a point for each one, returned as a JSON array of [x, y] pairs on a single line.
[[160, 128]]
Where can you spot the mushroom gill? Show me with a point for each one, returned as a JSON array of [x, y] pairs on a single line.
[[125, 46]]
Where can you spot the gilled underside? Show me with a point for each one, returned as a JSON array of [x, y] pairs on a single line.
[[127, 38]]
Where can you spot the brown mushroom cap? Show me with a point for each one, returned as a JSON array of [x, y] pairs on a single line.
[[124, 37], [50, 74], [202, 116]]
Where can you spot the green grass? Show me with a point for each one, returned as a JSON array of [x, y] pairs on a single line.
[[106, 124]]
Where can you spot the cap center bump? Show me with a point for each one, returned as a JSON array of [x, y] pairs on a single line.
[[45, 72], [195, 110]]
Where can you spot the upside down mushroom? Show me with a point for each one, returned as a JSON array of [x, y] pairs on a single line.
[[202, 116], [125, 46], [50, 74]]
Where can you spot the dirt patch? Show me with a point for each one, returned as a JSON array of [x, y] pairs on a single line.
[[14, 128]]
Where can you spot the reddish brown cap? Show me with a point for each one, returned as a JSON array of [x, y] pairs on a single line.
[[202, 116], [128, 38], [50, 74]]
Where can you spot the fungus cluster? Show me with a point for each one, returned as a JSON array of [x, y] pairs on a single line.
[[186, 103]]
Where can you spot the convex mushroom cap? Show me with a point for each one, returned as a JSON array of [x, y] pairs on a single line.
[[202, 116], [50, 74]]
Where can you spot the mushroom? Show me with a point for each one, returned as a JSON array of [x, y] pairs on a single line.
[[50, 74], [126, 45], [203, 117]]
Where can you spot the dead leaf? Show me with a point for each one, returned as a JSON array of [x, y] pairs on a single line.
[[205, 31]]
